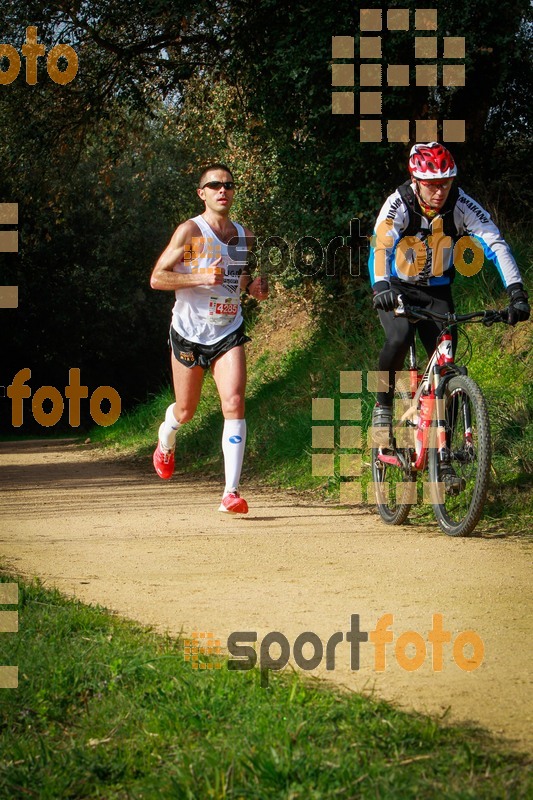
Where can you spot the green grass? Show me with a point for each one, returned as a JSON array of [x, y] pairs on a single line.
[[106, 709], [345, 335], [502, 365], [278, 412], [281, 385]]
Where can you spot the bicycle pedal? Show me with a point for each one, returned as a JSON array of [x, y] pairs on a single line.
[[454, 484]]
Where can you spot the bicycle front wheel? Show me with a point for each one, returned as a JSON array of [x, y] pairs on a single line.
[[393, 488], [459, 506]]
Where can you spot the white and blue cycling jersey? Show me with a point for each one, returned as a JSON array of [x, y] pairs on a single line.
[[416, 265]]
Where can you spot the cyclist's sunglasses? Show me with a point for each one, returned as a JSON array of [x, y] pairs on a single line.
[[228, 185], [437, 184]]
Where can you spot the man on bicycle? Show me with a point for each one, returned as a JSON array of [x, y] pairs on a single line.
[[426, 211], [205, 266]]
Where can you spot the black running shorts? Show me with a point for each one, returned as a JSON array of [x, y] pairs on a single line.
[[192, 354]]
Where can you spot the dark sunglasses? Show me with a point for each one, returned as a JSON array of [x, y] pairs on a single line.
[[228, 185]]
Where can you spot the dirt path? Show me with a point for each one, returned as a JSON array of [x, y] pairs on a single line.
[[160, 553]]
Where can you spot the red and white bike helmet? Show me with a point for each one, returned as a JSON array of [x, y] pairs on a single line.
[[431, 160]]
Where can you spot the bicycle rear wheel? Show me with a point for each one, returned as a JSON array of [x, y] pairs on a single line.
[[469, 450], [393, 487]]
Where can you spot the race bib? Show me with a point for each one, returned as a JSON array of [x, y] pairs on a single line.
[[222, 310]]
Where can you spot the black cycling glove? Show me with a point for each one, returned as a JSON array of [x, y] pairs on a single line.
[[519, 309], [384, 297]]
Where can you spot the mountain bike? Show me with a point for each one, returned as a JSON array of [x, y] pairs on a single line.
[[443, 427]]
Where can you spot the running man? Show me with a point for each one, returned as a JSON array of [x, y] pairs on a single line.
[[205, 266]]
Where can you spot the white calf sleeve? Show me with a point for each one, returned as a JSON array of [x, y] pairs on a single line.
[[168, 429], [233, 442]]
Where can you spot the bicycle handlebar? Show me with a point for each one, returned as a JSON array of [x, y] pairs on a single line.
[[488, 318]]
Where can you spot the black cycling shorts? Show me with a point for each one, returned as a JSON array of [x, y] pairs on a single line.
[[192, 354]]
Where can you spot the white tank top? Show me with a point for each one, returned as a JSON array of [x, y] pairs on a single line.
[[205, 314]]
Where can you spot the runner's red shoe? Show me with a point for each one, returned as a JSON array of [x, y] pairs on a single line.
[[234, 504], [163, 462]]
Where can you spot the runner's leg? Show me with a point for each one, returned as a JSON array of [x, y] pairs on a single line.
[[229, 372], [187, 390], [168, 429]]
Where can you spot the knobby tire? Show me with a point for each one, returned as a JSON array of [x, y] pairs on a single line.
[[459, 514]]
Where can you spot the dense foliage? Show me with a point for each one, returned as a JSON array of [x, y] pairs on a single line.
[[104, 167]]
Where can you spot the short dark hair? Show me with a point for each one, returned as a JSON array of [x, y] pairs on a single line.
[[215, 165]]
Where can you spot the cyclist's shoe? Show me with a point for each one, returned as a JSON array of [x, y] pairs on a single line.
[[382, 426], [453, 483], [233, 503], [163, 462]]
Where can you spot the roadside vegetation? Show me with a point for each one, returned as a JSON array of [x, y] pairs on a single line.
[[105, 708], [102, 171], [302, 339]]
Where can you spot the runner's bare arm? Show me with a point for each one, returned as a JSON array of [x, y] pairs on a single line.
[[256, 287], [163, 275]]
